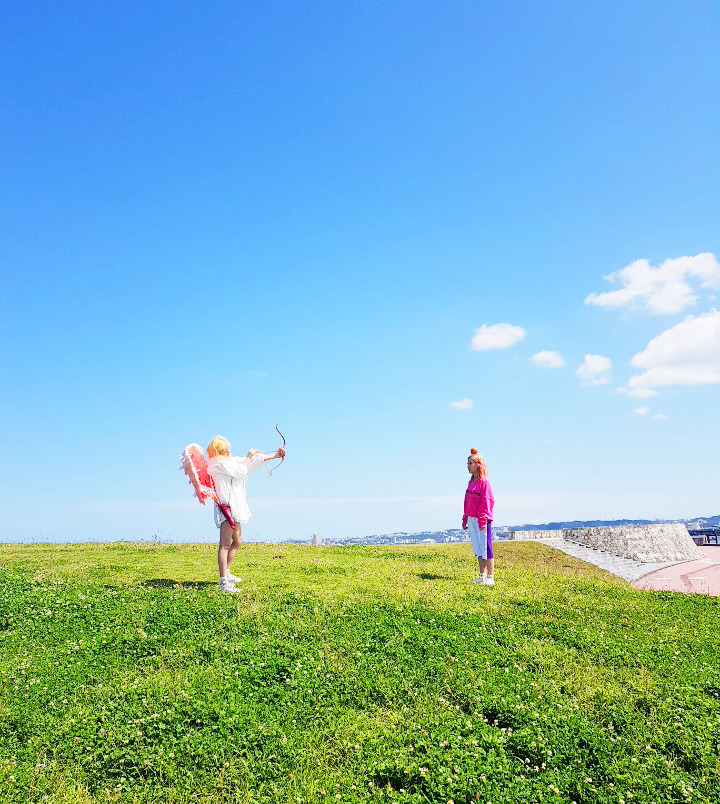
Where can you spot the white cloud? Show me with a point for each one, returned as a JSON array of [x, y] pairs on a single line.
[[642, 411], [638, 393], [548, 359], [462, 404], [686, 354], [660, 416], [595, 370], [496, 336], [664, 289]]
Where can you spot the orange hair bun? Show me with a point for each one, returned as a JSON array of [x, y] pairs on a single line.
[[473, 451]]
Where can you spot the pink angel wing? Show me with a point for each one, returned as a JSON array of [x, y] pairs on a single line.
[[195, 467]]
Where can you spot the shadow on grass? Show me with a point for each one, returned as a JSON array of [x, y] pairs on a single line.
[[428, 576], [169, 583]]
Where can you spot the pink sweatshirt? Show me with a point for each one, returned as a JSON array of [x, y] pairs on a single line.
[[479, 501]]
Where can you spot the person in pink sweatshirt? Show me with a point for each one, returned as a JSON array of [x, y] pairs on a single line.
[[478, 515]]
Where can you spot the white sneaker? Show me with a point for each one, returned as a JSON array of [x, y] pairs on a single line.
[[233, 578], [490, 581], [227, 585], [478, 580]]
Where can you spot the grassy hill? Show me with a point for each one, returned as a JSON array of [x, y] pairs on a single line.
[[350, 675]]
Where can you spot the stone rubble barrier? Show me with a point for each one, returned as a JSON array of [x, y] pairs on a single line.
[[654, 543]]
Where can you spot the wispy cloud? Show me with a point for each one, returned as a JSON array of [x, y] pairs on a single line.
[[664, 289], [595, 370], [548, 359], [496, 336], [643, 411], [660, 416], [134, 506], [686, 354], [462, 404], [638, 393]]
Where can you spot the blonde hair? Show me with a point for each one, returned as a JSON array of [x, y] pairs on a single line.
[[218, 446], [479, 461]]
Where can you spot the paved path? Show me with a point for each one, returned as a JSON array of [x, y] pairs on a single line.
[[702, 575]]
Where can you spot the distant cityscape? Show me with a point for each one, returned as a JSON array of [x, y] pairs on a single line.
[[708, 524]]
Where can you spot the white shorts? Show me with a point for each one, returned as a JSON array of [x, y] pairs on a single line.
[[480, 538]]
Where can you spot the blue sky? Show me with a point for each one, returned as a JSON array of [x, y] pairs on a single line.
[[221, 216]]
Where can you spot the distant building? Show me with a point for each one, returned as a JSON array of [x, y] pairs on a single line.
[[317, 539]]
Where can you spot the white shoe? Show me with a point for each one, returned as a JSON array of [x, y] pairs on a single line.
[[489, 581], [233, 578], [478, 580], [227, 585]]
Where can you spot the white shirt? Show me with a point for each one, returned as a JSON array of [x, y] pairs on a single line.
[[230, 478]]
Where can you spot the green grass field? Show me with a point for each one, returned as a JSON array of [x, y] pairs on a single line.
[[350, 675]]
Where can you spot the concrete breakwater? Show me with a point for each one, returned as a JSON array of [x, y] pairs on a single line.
[[643, 543]]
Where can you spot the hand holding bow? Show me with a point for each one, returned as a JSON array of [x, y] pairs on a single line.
[[281, 450]]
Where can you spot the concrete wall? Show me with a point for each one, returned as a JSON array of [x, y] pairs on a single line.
[[534, 535], [645, 543]]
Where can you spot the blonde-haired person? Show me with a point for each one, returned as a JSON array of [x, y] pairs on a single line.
[[229, 475], [478, 515]]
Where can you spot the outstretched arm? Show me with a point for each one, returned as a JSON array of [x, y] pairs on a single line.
[[256, 458], [266, 456]]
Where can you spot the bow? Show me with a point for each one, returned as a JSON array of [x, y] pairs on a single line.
[[282, 449]]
